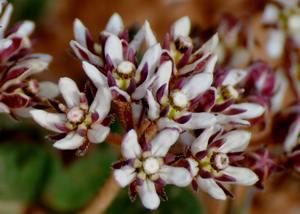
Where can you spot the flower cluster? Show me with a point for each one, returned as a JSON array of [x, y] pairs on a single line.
[[19, 92], [167, 92], [187, 116]]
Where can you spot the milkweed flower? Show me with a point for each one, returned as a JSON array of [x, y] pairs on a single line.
[[212, 159], [18, 90], [145, 167], [282, 19], [86, 49], [79, 122]]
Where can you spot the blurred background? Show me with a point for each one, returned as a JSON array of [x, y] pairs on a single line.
[[34, 178]]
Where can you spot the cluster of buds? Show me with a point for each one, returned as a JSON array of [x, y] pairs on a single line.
[[19, 92]]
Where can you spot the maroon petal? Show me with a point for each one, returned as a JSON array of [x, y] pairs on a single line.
[[184, 60], [226, 191], [184, 119], [223, 106], [204, 174], [16, 100], [144, 73], [225, 178], [8, 52], [195, 185], [200, 155], [120, 164], [216, 144], [13, 74], [234, 111], [204, 102], [56, 137], [133, 190], [132, 86], [160, 92], [159, 186], [111, 81]]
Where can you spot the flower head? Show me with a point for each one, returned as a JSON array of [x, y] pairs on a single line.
[[18, 90], [212, 158], [78, 122], [145, 167]]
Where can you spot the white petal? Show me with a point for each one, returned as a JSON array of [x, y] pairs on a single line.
[[182, 27], [34, 65], [153, 111], [253, 110], [178, 176], [243, 176], [149, 35], [270, 14], [200, 144], [113, 48], [187, 138], [144, 34], [115, 24], [148, 195], [79, 31], [130, 145], [70, 142], [69, 91], [198, 84], [275, 43], [210, 46], [151, 57], [281, 86], [292, 137], [235, 141], [98, 133], [163, 75], [96, 60], [3, 108], [23, 112], [162, 142], [234, 76], [94, 74], [125, 175], [137, 108], [121, 92], [209, 185], [141, 91], [48, 120], [199, 121], [4, 20], [101, 103], [209, 66], [48, 89], [26, 28], [194, 166]]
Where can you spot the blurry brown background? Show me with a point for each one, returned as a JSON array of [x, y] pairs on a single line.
[[55, 31]]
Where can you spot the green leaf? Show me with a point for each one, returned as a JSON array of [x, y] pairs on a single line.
[[22, 170], [29, 9], [180, 200], [72, 187]]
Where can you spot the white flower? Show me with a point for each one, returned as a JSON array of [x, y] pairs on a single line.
[[125, 77], [146, 170], [86, 49], [210, 162], [78, 122]]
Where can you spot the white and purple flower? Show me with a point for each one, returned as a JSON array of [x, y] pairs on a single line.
[[19, 92], [78, 122], [211, 163], [146, 167]]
